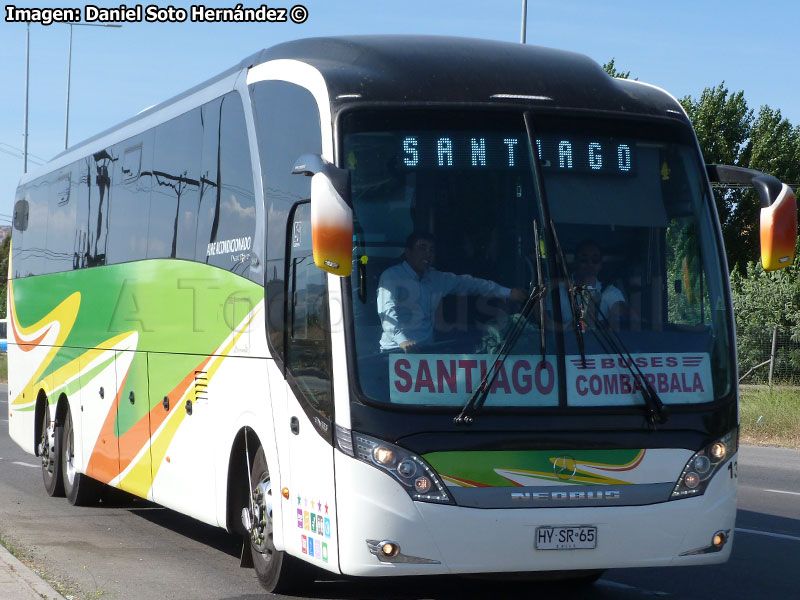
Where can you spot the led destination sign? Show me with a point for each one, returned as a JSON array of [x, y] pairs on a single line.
[[497, 151]]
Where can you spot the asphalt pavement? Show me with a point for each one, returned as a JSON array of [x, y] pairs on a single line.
[[127, 549]]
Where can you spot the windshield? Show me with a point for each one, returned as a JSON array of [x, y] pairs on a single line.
[[445, 207]]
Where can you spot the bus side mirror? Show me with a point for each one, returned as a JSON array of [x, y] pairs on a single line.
[[778, 219], [778, 223], [331, 214]]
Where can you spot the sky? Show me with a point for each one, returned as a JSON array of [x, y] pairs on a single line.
[[682, 46]]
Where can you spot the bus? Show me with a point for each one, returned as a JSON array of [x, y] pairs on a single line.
[[230, 305]]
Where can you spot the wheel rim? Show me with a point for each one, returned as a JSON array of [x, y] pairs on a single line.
[[69, 451], [261, 528], [46, 444]]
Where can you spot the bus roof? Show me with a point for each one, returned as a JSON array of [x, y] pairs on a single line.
[[440, 69], [429, 69]]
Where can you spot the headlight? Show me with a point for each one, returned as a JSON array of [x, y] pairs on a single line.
[[416, 476], [704, 464]]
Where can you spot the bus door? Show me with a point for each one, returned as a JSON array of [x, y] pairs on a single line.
[[309, 528]]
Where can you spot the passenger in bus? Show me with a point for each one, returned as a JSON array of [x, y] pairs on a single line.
[[409, 293], [609, 298]]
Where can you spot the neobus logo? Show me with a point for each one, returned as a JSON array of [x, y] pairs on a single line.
[[568, 496]]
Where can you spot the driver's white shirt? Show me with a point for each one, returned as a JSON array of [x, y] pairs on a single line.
[[609, 296], [406, 303]]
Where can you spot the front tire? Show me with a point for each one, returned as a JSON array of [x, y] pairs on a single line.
[[50, 454], [277, 571], [80, 489]]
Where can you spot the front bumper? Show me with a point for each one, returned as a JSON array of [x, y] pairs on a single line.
[[454, 539]]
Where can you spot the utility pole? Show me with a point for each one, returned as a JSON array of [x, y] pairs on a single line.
[[524, 20], [69, 77], [27, 71], [69, 71]]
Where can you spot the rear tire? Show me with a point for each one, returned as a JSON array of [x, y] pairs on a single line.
[[277, 571], [50, 453], [80, 489]]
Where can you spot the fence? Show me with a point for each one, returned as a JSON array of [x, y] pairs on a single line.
[[769, 356]]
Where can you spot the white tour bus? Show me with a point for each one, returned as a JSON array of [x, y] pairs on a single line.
[[229, 305]]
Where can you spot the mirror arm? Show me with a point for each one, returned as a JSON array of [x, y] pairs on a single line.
[[767, 186], [311, 164]]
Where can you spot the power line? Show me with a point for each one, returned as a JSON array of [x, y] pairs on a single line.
[[17, 153]]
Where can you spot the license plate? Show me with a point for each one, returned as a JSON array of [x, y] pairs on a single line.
[[577, 537]]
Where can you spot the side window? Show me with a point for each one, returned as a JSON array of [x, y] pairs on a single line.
[[21, 214], [130, 195], [83, 178], [61, 222], [288, 127], [32, 257], [227, 214], [308, 355], [101, 166], [132, 164], [175, 195]]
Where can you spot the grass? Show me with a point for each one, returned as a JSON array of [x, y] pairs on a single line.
[[3, 367], [770, 417]]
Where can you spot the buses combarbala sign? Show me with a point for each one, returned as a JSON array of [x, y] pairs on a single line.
[[606, 379], [602, 380]]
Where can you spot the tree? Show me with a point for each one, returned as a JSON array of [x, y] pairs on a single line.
[[611, 70], [4, 249], [729, 133], [722, 122], [762, 301]]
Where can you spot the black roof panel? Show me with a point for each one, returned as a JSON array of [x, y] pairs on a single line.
[[396, 68]]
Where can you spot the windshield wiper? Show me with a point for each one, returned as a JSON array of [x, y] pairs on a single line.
[[572, 293], [656, 411], [481, 392]]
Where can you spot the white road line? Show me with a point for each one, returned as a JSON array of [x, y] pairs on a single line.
[[22, 464], [770, 534], [783, 492]]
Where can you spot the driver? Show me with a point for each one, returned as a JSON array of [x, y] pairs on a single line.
[[409, 293], [588, 264]]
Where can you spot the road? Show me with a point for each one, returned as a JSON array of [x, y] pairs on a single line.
[[129, 549]]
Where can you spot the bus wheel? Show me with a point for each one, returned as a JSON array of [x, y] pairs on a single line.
[[80, 489], [277, 571], [50, 453]]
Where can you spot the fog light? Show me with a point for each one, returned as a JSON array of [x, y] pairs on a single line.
[[422, 484], [719, 451], [389, 549], [719, 539], [692, 480], [383, 456]]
